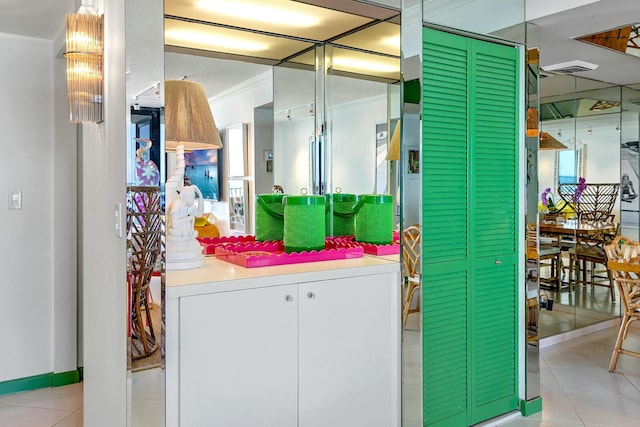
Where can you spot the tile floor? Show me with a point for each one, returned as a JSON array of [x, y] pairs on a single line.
[[577, 389]]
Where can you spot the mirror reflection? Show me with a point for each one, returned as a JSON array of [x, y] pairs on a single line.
[[146, 174], [587, 178], [300, 111]]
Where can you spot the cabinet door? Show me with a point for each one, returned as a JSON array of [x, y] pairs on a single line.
[[238, 358], [349, 347]]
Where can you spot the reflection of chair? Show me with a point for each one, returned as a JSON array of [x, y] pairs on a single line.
[[589, 252], [595, 197], [543, 251], [144, 231], [624, 263], [411, 265]]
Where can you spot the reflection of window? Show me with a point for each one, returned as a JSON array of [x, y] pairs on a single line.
[[568, 166]]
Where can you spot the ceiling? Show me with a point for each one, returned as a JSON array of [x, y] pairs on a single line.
[[555, 32]]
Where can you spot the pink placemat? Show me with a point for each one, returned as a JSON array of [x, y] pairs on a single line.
[[263, 254], [369, 248], [209, 244]]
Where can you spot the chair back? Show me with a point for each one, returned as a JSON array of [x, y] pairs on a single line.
[[596, 216], [595, 197], [624, 264], [411, 251]]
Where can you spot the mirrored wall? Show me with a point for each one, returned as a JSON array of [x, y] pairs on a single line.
[[590, 131]]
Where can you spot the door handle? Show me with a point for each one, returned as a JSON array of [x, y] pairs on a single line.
[[498, 262]]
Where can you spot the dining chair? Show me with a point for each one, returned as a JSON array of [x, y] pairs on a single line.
[[411, 267], [543, 251], [624, 263], [589, 252]]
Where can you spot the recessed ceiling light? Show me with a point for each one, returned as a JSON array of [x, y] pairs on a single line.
[[259, 11], [215, 40], [359, 64], [392, 41]]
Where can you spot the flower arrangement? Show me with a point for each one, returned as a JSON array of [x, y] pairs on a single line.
[[582, 185], [547, 200]]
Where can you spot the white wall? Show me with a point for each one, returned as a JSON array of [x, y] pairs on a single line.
[[103, 251], [26, 252], [65, 236], [230, 108]]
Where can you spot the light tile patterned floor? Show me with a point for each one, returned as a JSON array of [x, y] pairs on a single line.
[[577, 390]]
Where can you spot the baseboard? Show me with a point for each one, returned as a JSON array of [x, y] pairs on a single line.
[[528, 407], [35, 382], [569, 335]]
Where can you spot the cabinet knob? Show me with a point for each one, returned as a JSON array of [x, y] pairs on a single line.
[[288, 298], [311, 295]]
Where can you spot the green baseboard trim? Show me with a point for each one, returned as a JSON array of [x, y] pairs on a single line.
[[66, 378], [35, 382], [529, 407], [25, 384]]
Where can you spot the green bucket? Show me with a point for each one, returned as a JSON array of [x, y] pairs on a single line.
[[339, 212], [303, 223], [374, 219], [269, 217]]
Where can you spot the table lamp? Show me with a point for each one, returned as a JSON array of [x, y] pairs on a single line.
[[189, 125]]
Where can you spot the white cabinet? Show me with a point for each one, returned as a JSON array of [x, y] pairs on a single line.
[[347, 366], [309, 354], [239, 358]]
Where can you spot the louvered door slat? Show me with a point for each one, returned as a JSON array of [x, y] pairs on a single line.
[[469, 206], [493, 329]]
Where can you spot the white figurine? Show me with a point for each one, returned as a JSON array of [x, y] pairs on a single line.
[[183, 212], [183, 250]]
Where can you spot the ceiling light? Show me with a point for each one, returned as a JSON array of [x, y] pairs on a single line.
[[358, 64], [215, 40], [258, 11], [393, 41]]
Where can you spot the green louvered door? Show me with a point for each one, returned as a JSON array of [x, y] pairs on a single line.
[[470, 179]]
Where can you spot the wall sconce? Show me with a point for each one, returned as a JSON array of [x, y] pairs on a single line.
[[560, 133], [84, 49], [590, 131], [618, 128]]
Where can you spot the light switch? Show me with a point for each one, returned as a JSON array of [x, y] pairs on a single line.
[[15, 199]]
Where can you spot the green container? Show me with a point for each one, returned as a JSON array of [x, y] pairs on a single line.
[[269, 217], [374, 219], [303, 223], [340, 211]]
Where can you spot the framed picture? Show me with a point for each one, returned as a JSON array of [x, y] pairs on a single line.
[[238, 191], [236, 148], [203, 168], [412, 161]]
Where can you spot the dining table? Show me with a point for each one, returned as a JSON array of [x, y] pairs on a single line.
[[576, 228]]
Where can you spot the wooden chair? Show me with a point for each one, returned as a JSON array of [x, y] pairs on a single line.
[[624, 263], [543, 252], [595, 197], [411, 267], [144, 231], [589, 252]]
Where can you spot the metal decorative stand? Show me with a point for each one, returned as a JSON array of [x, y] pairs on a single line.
[[144, 232]]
